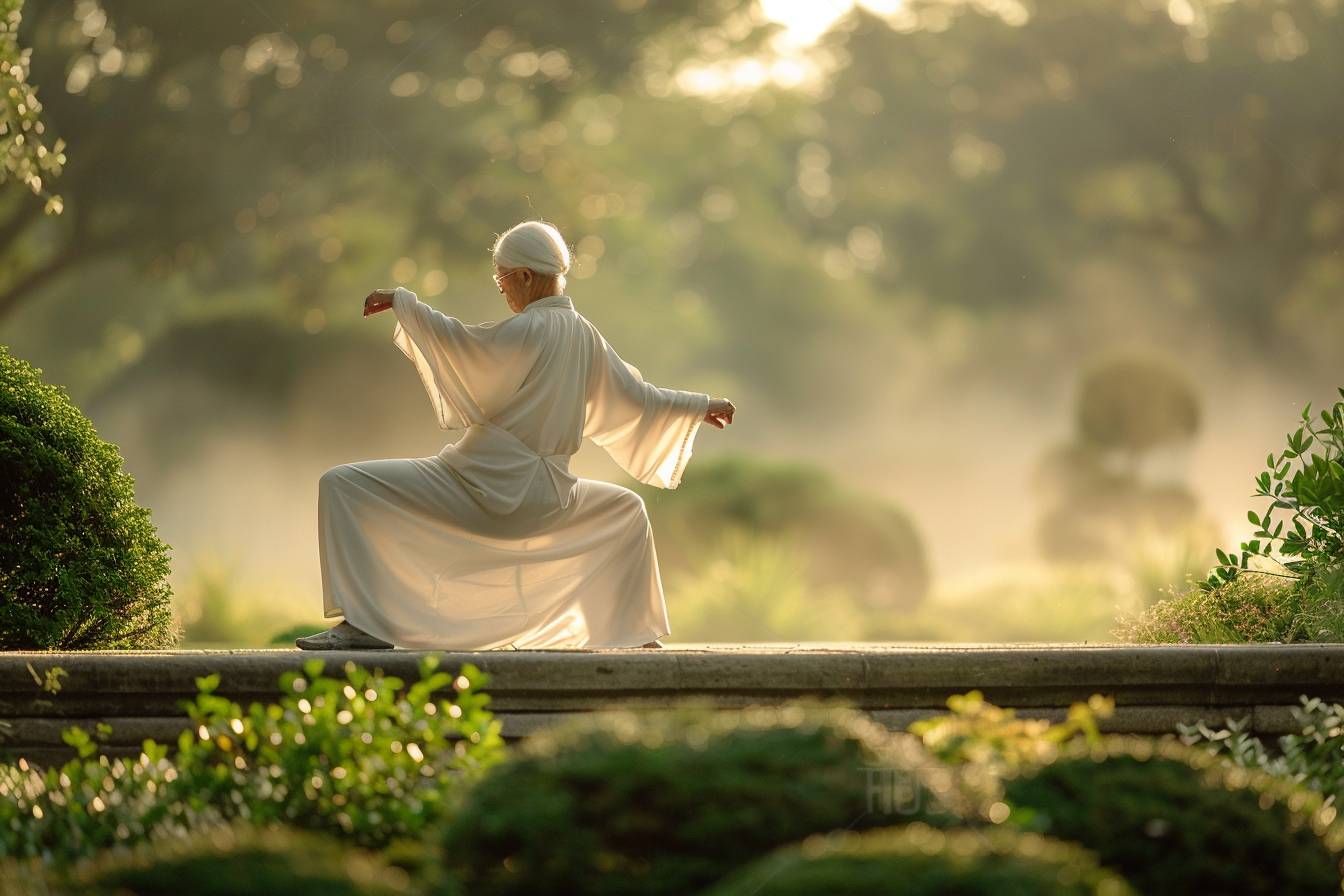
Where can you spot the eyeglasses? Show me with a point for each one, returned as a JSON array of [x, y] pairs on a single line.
[[499, 277]]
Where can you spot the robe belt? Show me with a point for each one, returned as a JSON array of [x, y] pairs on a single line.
[[498, 467]]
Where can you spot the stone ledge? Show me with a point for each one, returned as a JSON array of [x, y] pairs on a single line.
[[1154, 686]]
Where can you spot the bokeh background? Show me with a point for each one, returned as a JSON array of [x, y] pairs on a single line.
[[1012, 297]]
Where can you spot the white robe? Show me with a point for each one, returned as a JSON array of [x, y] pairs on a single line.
[[493, 542]]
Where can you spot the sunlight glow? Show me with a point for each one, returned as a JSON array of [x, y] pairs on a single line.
[[806, 20], [789, 62]]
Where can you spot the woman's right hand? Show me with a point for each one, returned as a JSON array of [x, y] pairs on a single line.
[[378, 300], [720, 412]]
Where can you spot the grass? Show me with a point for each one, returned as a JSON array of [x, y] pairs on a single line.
[[1255, 607]]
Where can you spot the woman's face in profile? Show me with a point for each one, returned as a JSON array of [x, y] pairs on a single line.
[[510, 283]]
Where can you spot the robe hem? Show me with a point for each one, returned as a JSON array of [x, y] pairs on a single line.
[[651, 634]]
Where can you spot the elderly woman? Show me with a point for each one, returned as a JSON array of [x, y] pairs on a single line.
[[493, 542]]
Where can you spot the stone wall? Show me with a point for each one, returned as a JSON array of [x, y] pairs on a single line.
[[1154, 687]]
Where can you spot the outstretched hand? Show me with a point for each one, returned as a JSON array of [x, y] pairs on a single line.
[[378, 300], [720, 412]]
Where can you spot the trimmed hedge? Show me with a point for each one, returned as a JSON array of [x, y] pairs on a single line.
[[667, 802], [1175, 820], [232, 860], [81, 567], [918, 860]]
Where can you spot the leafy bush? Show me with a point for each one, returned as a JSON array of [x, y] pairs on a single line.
[[756, 588], [1244, 598], [858, 543], [232, 860], [993, 738], [927, 862], [667, 802], [360, 756], [90, 803], [1176, 820], [81, 567], [1306, 490], [1309, 756], [1246, 609]]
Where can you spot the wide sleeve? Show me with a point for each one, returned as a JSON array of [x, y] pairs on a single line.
[[649, 431], [469, 371]]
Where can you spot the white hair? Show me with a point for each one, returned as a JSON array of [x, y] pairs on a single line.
[[536, 245]]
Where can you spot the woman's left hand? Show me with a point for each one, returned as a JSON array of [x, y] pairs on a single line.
[[378, 300]]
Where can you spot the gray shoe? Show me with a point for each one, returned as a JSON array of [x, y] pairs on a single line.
[[342, 637]]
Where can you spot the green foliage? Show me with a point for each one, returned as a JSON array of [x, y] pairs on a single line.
[[666, 802], [843, 540], [362, 756], [81, 566], [1175, 820], [994, 738], [229, 861], [926, 861], [90, 803], [1306, 490], [1309, 756], [1247, 609], [24, 155]]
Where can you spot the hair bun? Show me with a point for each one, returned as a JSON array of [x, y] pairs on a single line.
[[533, 244]]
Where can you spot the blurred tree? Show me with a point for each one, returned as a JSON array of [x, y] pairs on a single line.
[[1099, 502], [993, 146], [24, 155], [247, 119], [1132, 405], [206, 379]]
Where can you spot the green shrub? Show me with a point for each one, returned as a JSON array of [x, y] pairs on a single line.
[[81, 566], [994, 738], [363, 757], [360, 756], [234, 860], [90, 803], [1250, 608], [669, 801], [1175, 820], [1306, 490], [845, 540], [926, 861], [1300, 598], [1309, 756]]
